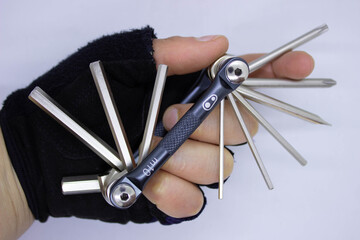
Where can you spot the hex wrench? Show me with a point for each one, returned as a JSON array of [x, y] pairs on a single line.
[[95, 183], [251, 143], [98, 146], [221, 149], [151, 121], [112, 115], [270, 129]]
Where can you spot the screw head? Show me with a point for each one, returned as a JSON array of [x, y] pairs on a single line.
[[123, 196], [237, 71]]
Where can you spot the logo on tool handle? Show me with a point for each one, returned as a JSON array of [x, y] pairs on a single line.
[[209, 102], [150, 167]]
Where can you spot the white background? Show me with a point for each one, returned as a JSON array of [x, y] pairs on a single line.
[[319, 201]]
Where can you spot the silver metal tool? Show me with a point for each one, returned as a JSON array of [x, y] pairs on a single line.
[[80, 185], [102, 183], [101, 148], [261, 61], [263, 99], [112, 115], [284, 83], [151, 121], [270, 129], [221, 152], [251, 143], [279, 105], [117, 186]]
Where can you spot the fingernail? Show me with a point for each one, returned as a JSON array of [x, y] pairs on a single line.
[[171, 117], [215, 185], [231, 152], [207, 38]]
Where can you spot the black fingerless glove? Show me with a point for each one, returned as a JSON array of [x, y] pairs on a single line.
[[43, 152]]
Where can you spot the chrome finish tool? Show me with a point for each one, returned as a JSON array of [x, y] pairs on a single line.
[[226, 78]]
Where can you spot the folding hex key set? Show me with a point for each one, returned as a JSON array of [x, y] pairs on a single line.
[[227, 77]]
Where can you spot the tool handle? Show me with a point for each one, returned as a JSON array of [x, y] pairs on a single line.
[[126, 190], [197, 89], [178, 134]]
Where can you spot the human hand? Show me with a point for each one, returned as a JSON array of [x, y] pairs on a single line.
[[196, 162], [59, 154]]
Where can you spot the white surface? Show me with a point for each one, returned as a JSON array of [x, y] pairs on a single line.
[[319, 201]]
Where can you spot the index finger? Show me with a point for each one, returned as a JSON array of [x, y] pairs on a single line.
[[292, 65], [189, 54]]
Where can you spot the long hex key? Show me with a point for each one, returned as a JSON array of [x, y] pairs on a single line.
[[112, 114], [221, 152], [90, 184], [251, 143], [154, 108], [90, 139], [270, 129]]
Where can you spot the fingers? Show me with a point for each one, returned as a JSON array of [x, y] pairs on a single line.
[[171, 188], [293, 65], [208, 131], [198, 162], [188, 54], [173, 195]]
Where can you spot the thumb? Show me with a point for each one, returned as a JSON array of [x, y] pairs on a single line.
[[189, 54]]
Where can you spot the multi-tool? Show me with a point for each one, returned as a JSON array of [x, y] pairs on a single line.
[[226, 78]]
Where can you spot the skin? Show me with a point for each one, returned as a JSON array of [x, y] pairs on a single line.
[[170, 188]]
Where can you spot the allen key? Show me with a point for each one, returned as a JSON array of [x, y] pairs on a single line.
[[251, 143], [121, 188], [90, 139], [80, 185], [221, 152], [99, 183], [154, 108], [270, 129], [112, 115]]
